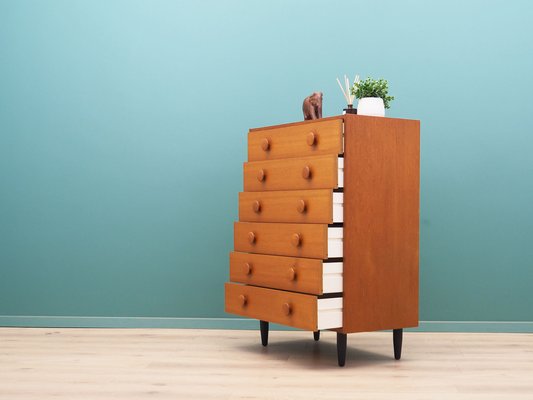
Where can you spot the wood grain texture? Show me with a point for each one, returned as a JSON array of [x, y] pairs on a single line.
[[288, 174], [298, 123], [272, 305], [381, 223], [277, 239], [206, 364], [285, 206], [313, 138], [302, 275]]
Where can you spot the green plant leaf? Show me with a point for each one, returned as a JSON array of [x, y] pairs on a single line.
[[373, 88]]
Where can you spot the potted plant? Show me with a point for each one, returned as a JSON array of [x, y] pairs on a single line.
[[373, 96]]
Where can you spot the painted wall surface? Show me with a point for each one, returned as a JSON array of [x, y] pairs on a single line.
[[123, 131]]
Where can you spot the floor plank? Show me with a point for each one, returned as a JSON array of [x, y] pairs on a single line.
[[221, 364]]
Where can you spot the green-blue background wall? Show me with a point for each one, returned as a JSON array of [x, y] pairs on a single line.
[[123, 131]]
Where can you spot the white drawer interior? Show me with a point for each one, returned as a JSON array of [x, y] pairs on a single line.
[[329, 313], [332, 277], [340, 174], [338, 207], [335, 235]]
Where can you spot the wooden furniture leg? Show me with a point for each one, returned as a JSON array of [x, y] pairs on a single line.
[[397, 335], [316, 335], [341, 348], [263, 325]]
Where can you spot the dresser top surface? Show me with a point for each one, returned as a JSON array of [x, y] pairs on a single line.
[[340, 117]]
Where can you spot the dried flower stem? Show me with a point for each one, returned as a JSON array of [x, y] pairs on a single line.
[[346, 96], [346, 91]]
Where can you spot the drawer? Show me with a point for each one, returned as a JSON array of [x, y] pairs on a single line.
[[320, 172], [304, 275], [300, 140], [302, 311], [295, 240], [321, 206]]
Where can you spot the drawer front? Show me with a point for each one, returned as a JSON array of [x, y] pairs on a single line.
[[301, 206], [321, 172], [307, 139], [305, 275], [287, 308], [288, 273], [296, 240], [302, 311]]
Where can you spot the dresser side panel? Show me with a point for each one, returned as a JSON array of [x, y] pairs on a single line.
[[381, 223]]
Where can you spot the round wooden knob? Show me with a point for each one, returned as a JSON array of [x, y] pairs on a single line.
[[251, 237], [247, 268], [242, 300], [291, 274], [301, 206], [311, 138], [265, 144], [306, 172], [256, 205], [296, 240], [286, 308], [261, 175]]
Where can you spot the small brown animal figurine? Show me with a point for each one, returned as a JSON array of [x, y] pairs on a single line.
[[312, 106]]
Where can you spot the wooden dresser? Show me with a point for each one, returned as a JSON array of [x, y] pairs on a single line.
[[328, 228]]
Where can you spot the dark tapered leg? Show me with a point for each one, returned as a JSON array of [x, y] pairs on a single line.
[[397, 335], [316, 335], [341, 348], [263, 325]]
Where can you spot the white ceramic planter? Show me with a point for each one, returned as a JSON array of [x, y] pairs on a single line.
[[371, 106]]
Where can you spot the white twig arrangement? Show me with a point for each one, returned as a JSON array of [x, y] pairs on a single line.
[[347, 90]]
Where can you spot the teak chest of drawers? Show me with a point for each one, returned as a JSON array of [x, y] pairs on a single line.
[[328, 228]]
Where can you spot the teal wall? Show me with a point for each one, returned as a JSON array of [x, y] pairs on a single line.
[[123, 131]]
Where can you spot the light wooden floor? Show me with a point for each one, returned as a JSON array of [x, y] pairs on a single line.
[[217, 364]]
